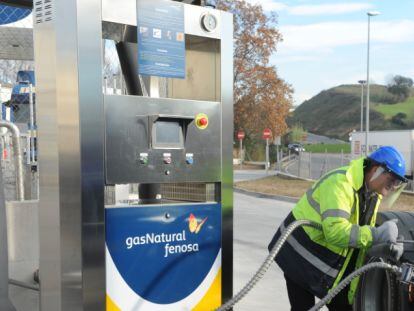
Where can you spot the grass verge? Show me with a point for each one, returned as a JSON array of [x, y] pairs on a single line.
[[285, 186], [330, 148]]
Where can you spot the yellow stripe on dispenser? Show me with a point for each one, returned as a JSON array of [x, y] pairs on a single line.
[[110, 305], [212, 299]]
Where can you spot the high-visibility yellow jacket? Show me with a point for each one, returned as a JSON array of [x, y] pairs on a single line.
[[318, 259]]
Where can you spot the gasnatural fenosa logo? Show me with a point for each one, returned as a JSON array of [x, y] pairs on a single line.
[[194, 226]]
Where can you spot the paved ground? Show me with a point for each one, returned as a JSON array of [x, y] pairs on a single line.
[[255, 221]]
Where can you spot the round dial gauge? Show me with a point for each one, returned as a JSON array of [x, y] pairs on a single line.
[[209, 22]]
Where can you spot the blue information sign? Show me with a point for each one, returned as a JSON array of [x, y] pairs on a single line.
[[161, 44]]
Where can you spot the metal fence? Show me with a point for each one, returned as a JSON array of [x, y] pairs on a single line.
[[313, 165]]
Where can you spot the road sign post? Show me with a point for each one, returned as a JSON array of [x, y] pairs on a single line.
[[240, 136], [277, 156], [277, 142], [267, 155], [267, 134]]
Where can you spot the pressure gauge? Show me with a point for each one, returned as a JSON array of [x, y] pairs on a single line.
[[208, 22]]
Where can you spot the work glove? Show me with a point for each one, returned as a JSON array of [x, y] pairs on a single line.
[[389, 251], [397, 250], [386, 233]]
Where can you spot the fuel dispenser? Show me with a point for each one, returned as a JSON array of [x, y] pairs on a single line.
[[170, 134]]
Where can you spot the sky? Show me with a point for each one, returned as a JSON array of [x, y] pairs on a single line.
[[325, 42]]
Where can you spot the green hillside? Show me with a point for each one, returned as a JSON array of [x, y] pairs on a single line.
[[389, 111], [337, 111]]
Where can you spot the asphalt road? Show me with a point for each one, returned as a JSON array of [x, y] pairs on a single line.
[[255, 221]]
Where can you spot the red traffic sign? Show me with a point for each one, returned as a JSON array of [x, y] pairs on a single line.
[[240, 135], [267, 133]]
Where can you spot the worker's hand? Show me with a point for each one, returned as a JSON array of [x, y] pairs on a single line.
[[388, 251], [386, 233], [397, 250]]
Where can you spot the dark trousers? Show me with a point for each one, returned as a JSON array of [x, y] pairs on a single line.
[[302, 300]]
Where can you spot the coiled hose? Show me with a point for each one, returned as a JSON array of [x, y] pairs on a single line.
[[269, 259], [353, 275], [275, 250]]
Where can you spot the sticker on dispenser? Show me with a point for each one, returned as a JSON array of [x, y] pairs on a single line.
[[164, 257]]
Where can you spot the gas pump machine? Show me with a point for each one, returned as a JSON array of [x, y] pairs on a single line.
[[169, 135]]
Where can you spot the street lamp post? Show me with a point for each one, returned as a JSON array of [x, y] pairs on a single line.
[[362, 82], [369, 14]]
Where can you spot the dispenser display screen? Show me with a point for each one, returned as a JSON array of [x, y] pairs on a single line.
[[167, 134]]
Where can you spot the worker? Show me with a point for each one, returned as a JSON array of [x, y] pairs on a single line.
[[344, 202]]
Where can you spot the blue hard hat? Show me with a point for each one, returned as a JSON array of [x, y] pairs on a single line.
[[391, 159]]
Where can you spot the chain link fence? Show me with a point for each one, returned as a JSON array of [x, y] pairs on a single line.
[[314, 165], [18, 99], [113, 82]]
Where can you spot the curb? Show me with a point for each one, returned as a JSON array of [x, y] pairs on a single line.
[[294, 176], [266, 196]]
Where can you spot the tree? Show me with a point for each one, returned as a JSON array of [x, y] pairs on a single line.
[[297, 134], [261, 98], [400, 86], [399, 119]]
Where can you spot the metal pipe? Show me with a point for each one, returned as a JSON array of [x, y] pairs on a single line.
[[369, 14], [267, 156], [362, 82], [241, 153], [362, 108], [32, 125], [5, 302], [367, 104], [28, 155], [18, 158]]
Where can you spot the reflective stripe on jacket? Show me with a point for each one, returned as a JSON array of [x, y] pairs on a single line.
[[318, 259]]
